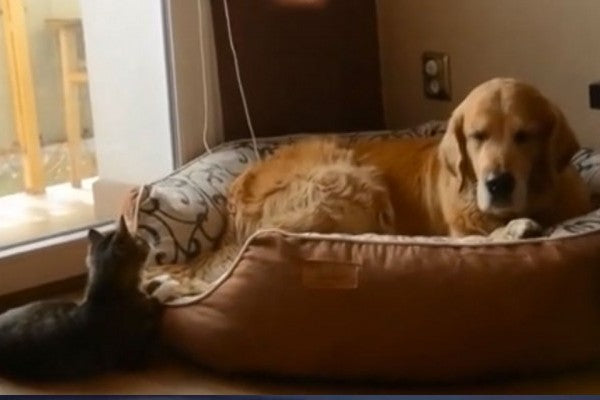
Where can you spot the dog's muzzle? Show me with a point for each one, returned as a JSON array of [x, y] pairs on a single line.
[[500, 186]]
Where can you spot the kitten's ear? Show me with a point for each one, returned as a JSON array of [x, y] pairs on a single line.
[[94, 236], [122, 230]]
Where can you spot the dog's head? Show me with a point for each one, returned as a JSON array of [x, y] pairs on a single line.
[[509, 142]]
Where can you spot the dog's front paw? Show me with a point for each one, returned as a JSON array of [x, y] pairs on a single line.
[[521, 228]]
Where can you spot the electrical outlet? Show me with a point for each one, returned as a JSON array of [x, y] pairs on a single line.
[[595, 95], [436, 75]]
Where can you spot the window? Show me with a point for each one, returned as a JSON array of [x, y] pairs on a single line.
[[85, 115], [46, 132]]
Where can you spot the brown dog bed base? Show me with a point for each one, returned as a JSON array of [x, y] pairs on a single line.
[[344, 306]]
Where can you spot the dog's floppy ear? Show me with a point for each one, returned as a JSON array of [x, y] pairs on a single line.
[[563, 143], [452, 151]]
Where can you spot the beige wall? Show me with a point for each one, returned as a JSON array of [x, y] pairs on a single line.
[[554, 44]]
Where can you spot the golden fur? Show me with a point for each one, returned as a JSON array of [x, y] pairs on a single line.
[[314, 185], [422, 186]]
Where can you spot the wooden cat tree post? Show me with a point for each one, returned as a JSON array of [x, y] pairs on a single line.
[[23, 95]]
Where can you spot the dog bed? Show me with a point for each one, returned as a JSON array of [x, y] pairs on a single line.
[[364, 306]]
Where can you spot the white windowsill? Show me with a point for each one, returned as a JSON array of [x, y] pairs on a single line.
[[34, 264]]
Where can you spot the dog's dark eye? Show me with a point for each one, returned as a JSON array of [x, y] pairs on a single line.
[[479, 136], [521, 137]]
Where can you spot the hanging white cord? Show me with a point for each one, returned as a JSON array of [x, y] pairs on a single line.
[[204, 80], [239, 80]]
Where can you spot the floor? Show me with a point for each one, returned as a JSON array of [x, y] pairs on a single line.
[[25, 217], [175, 376]]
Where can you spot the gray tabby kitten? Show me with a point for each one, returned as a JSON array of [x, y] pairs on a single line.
[[114, 326]]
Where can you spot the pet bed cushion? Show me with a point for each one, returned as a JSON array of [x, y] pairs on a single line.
[[425, 308], [371, 307]]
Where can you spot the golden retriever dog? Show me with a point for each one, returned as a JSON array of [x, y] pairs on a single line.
[[501, 168]]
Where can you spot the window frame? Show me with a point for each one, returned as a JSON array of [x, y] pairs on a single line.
[[45, 261]]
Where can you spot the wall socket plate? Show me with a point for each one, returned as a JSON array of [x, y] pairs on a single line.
[[595, 95], [436, 75]]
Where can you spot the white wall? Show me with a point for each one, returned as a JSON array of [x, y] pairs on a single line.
[[554, 44], [128, 87]]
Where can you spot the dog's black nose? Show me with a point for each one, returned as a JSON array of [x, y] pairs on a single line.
[[500, 185]]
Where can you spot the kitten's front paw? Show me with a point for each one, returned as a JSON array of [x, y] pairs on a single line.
[[521, 228]]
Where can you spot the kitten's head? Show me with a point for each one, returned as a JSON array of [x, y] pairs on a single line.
[[114, 260]]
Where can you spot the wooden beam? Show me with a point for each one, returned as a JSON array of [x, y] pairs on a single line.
[[79, 77], [23, 94], [68, 60], [72, 77]]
